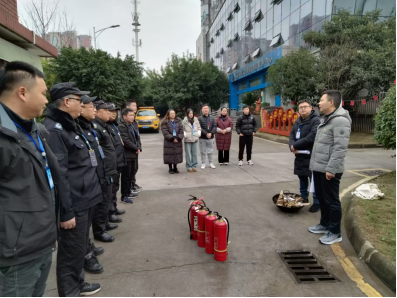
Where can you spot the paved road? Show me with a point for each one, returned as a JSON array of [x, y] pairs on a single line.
[[153, 256]]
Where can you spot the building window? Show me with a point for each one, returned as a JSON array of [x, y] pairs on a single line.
[[387, 7], [285, 8], [222, 27], [229, 43], [235, 65], [295, 5], [212, 40], [248, 26], [255, 82], [236, 8], [256, 53], [276, 41], [306, 16], [277, 13], [236, 37], [246, 59], [217, 55], [344, 5], [258, 16], [217, 33], [242, 86], [228, 69], [230, 16], [294, 24], [222, 51], [319, 10]]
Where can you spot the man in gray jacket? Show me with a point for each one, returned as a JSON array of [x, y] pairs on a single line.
[[327, 164]]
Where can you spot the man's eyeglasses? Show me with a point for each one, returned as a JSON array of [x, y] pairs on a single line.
[[303, 107], [78, 99]]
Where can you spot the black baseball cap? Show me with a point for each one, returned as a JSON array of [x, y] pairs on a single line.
[[64, 89], [112, 106], [100, 104], [86, 99]]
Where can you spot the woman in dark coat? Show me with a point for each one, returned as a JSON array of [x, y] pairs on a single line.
[[223, 136], [172, 129]]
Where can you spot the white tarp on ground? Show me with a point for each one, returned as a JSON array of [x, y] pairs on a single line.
[[368, 192]]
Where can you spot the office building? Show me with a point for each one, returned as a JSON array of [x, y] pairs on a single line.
[[245, 37]]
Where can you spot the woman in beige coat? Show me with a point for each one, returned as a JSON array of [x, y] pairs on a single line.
[[192, 132]]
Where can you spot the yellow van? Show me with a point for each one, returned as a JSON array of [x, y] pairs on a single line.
[[147, 119]]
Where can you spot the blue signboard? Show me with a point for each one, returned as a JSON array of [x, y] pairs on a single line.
[[257, 65]]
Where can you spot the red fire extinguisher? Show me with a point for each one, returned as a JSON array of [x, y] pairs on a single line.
[[201, 225], [221, 238], [192, 215], [209, 232]]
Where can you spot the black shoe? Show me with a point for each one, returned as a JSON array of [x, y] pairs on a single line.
[[305, 201], [137, 187], [132, 195], [176, 171], [115, 219], [120, 212], [314, 208], [96, 250], [171, 171], [110, 226], [90, 289], [92, 265], [105, 237]]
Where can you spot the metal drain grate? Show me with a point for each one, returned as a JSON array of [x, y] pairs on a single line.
[[372, 172], [306, 268]]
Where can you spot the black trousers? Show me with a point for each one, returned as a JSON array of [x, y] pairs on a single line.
[[71, 253], [115, 189], [128, 177], [101, 214], [223, 156], [327, 193], [245, 141]]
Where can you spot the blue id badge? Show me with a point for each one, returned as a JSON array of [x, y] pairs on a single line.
[[298, 134], [174, 133], [101, 152], [193, 132], [49, 177]]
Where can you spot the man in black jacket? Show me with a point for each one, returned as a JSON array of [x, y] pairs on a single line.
[[208, 130], [29, 176], [132, 148], [79, 190], [91, 263], [121, 160], [246, 127], [301, 140], [101, 215]]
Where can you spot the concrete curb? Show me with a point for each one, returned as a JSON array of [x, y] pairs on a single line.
[[377, 262], [274, 138]]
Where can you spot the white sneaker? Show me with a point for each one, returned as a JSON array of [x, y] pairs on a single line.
[[221, 164], [212, 166], [203, 166], [225, 163], [250, 163], [240, 163]]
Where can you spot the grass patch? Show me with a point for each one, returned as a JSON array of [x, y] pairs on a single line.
[[378, 218]]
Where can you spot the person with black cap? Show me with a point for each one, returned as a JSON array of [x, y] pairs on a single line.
[[121, 159], [29, 176], [100, 222], [91, 263], [79, 189]]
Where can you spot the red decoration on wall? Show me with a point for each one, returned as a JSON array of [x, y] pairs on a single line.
[[363, 102], [352, 103], [375, 97], [293, 102]]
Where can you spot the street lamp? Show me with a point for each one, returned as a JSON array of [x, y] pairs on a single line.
[[100, 31]]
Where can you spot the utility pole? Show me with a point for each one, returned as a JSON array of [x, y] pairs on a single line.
[[135, 17]]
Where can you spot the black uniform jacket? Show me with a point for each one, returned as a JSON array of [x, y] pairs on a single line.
[[79, 187]]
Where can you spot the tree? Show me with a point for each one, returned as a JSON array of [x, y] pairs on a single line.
[[187, 82], [110, 78], [296, 76], [385, 121], [250, 98], [356, 52]]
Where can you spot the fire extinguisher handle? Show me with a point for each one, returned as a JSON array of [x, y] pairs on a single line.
[[228, 229], [188, 219], [193, 198]]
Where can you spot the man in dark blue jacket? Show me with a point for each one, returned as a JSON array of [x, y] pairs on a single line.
[[29, 181], [301, 140]]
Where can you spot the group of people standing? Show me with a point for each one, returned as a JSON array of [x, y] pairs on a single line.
[[58, 179], [200, 133]]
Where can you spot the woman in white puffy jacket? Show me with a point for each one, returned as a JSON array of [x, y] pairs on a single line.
[[192, 132]]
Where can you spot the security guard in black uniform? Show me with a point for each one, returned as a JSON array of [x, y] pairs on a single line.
[[79, 190], [100, 220], [91, 263], [121, 160]]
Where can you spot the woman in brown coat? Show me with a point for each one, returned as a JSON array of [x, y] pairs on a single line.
[[172, 129], [223, 136]]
